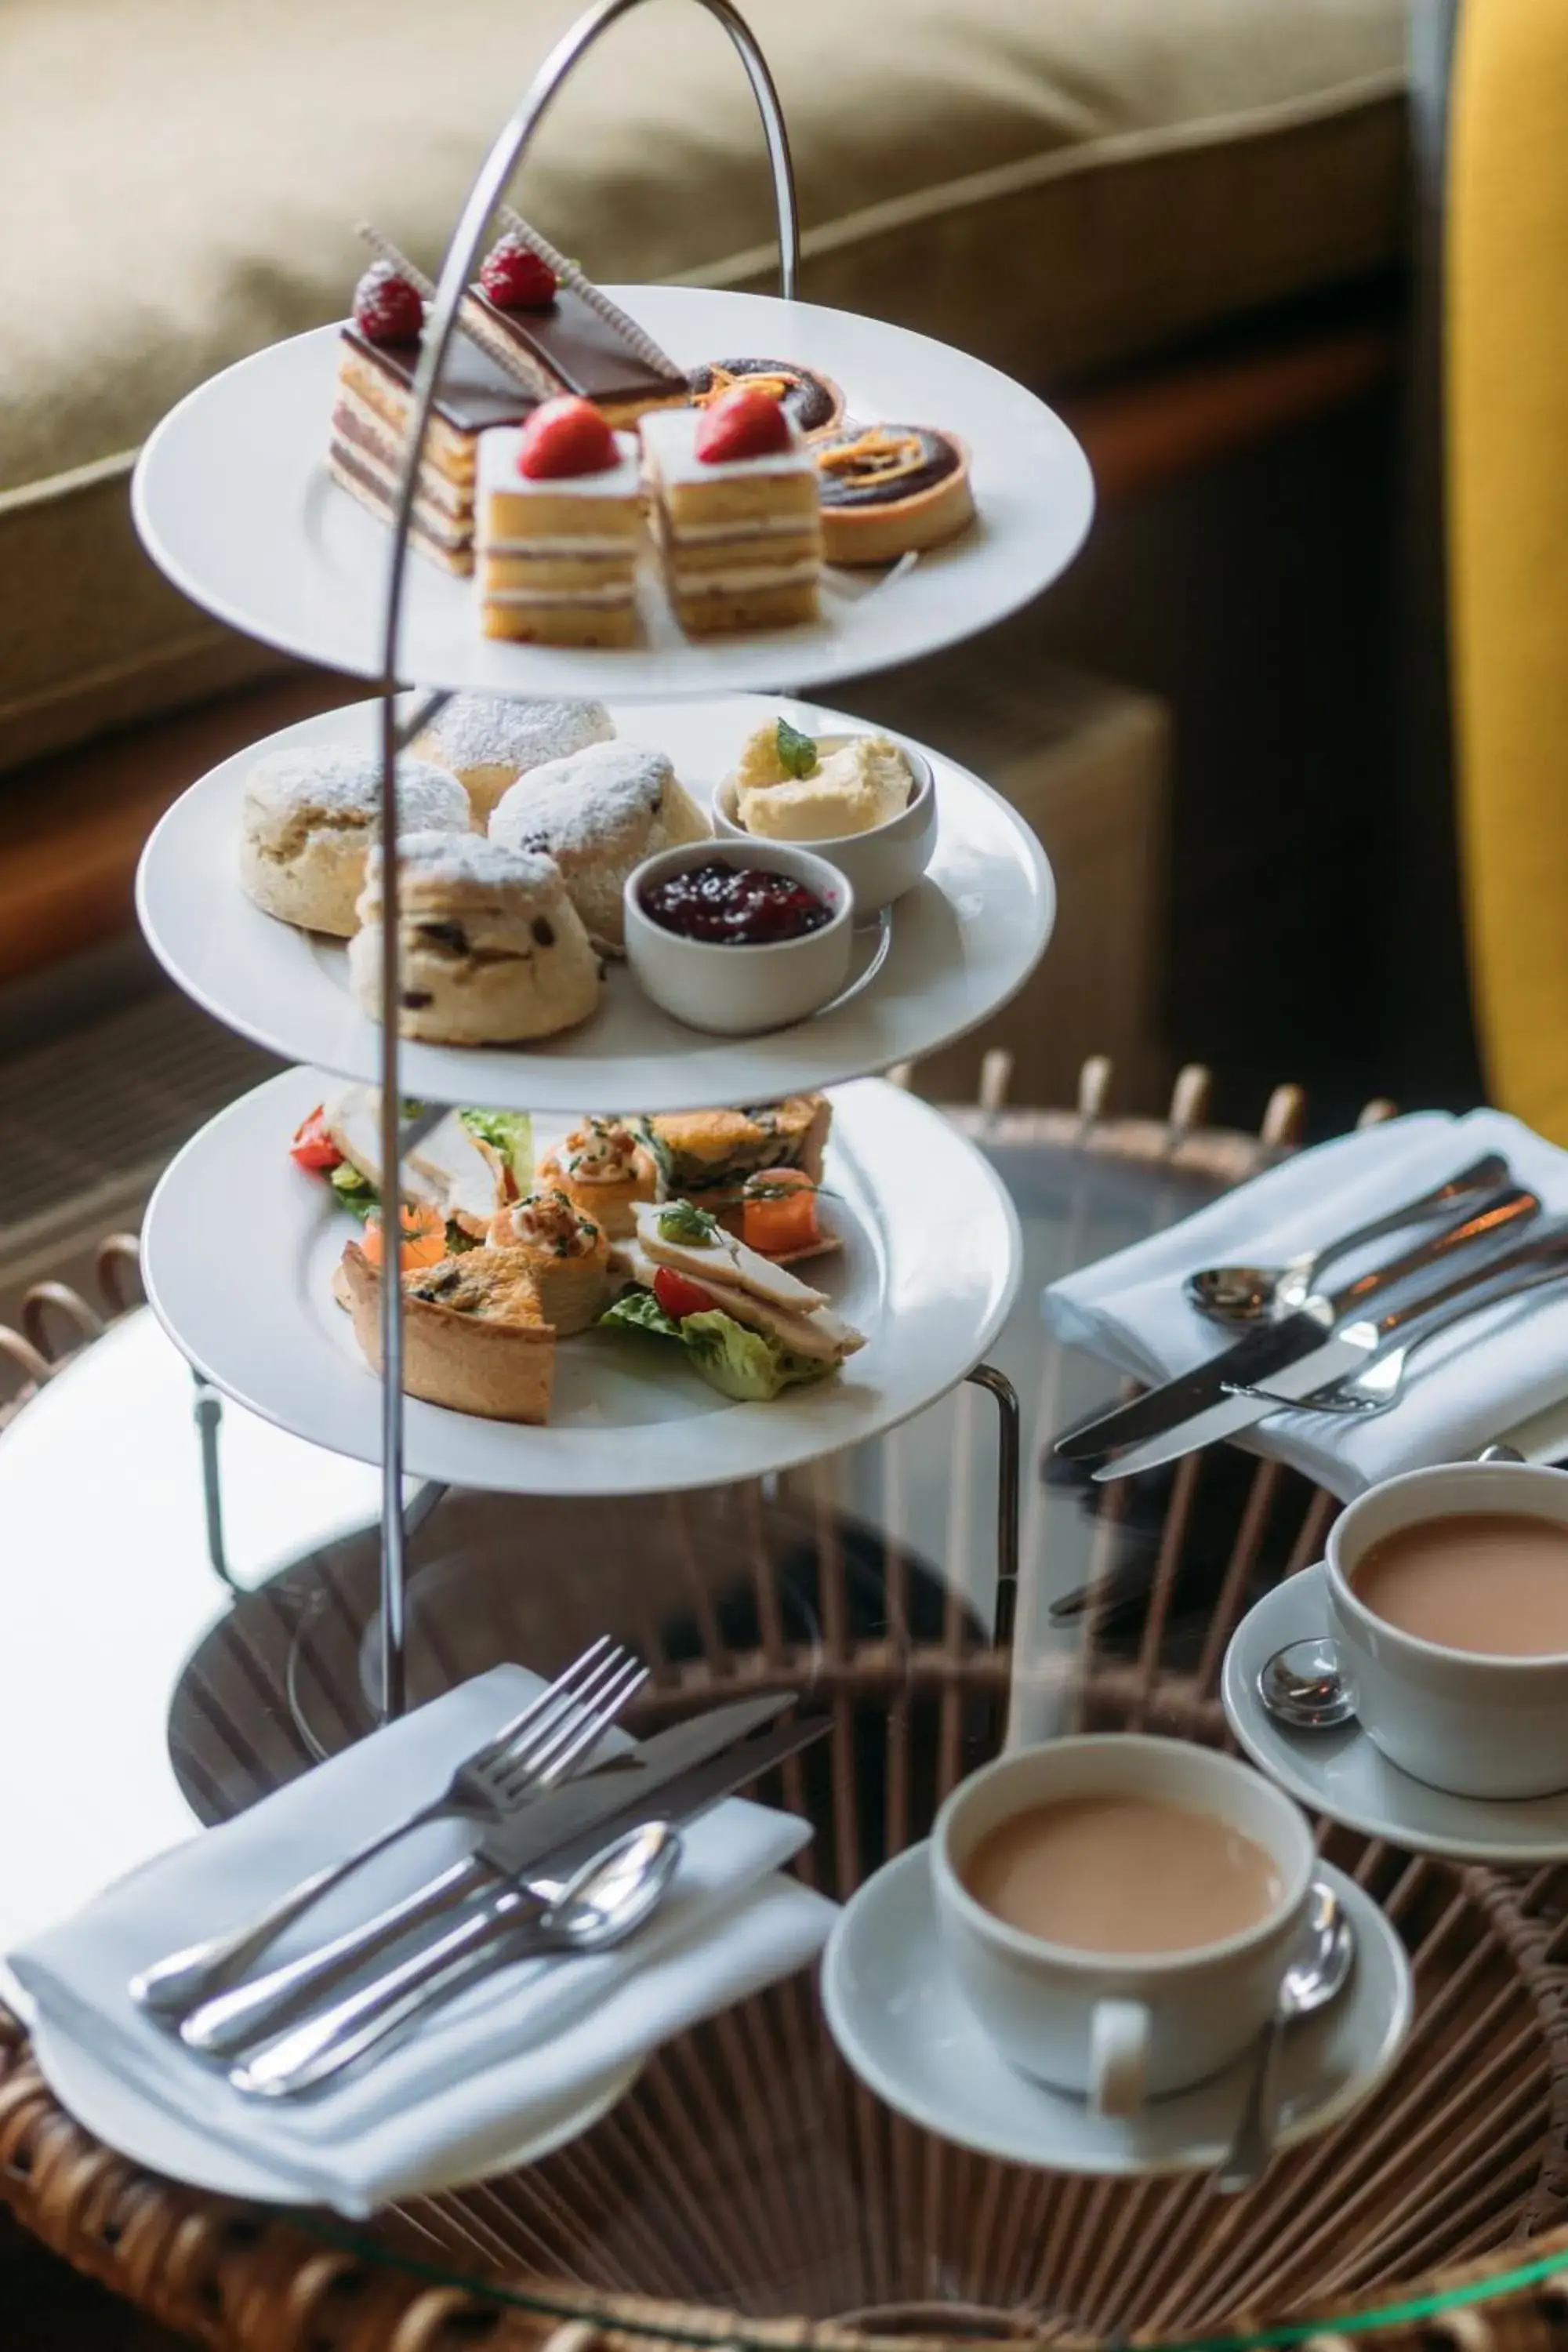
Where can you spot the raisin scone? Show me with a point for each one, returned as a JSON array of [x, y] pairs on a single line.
[[492, 949], [488, 741], [598, 814], [309, 817]]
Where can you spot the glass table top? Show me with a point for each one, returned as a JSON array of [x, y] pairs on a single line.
[[748, 2171]]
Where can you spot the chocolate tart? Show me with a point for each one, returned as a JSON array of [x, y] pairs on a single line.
[[814, 400], [886, 489]]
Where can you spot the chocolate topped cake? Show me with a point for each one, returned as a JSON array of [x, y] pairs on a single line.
[[567, 332], [378, 354]]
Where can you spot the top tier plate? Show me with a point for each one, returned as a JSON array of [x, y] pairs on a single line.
[[233, 500]]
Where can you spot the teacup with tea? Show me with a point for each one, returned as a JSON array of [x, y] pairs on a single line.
[[1118, 1910], [1448, 1591]]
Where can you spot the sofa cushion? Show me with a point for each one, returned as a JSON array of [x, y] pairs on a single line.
[[1055, 184]]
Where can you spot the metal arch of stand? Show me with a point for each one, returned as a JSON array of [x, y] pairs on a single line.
[[505, 156]]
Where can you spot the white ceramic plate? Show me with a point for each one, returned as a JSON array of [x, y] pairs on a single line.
[[1341, 1774], [165, 2143], [901, 2022], [239, 1248], [233, 500], [962, 944]]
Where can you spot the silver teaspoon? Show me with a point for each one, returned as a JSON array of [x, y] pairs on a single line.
[[1305, 1685], [1314, 1974], [1240, 1295]]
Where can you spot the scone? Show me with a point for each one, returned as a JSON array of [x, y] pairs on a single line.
[[309, 817], [488, 741], [604, 1172], [492, 948], [474, 1335], [599, 814], [567, 1255]]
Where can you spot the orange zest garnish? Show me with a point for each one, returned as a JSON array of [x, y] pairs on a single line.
[[876, 455], [424, 1239], [726, 379]]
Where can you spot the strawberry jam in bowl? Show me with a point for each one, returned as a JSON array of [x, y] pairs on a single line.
[[737, 938]]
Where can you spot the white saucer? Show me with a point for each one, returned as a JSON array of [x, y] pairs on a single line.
[[104, 2105], [1341, 1774], [896, 2015]]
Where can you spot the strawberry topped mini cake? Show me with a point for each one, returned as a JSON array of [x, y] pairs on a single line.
[[559, 516], [738, 514]]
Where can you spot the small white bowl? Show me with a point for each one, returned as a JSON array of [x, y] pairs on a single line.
[[882, 865], [730, 990]]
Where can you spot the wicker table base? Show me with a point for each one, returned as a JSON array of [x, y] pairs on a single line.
[[749, 2189]]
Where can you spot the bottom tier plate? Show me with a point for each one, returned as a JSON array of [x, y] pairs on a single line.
[[239, 1248]]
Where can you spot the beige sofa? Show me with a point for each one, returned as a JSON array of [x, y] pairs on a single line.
[[1060, 184]]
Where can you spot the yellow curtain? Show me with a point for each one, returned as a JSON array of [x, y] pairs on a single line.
[[1507, 486]]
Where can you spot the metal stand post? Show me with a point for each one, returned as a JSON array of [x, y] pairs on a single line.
[[1009, 1503], [457, 270]]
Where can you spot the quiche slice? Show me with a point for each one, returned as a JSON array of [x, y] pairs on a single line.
[[474, 1335]]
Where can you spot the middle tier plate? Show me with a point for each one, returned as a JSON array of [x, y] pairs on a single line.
[[962, 944], [239, 1246]]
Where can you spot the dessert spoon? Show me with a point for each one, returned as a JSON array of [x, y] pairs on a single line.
[[1314, 1974], [1240, 1295]]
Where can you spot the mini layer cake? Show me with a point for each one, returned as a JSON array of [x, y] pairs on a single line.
[[377, 357], [569, 332], [738, 514], [560, 518]]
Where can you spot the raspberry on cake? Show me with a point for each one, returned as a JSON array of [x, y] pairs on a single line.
[[737, 514], [558, 528], [567, 331], [377, 357]]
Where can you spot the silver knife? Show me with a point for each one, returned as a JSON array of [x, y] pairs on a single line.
[[1263, 1355], [1543, 1257], [233, 2021], [489, 1934]]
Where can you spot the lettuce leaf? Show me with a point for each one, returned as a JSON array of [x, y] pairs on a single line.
[[354, 1190], [744, 1365], [509, 1132]]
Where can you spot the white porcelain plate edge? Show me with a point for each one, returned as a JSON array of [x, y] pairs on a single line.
[[1341, 1774], [962, 943], [151, 2136], [1051, 2128], [232, 499], [238, 1247]]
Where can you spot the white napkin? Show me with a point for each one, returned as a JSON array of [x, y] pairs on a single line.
[[1463, 1390], [461, 2093]]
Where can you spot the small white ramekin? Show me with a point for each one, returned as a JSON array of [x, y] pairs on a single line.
[[882, 865], [735, 991]]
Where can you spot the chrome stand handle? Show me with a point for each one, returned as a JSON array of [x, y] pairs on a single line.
[[506, 154]]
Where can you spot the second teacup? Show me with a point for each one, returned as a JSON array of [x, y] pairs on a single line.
[[1118, 1910], [1460, 1670]]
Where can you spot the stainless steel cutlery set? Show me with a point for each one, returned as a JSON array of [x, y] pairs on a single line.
[[573, 1854], [1306, 1347]]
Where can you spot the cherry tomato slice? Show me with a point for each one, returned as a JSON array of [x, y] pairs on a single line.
[[312, 1147], [678, 1297]]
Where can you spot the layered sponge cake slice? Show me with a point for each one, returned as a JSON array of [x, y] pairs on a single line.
[[737, 514], [560, 523]]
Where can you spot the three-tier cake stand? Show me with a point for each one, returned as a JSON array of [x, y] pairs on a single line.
[[232, 499]]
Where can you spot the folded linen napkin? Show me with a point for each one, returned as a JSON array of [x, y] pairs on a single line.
[[460, 2096], [1463, 1390]]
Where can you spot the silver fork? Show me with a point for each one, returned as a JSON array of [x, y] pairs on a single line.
[[1379, 1383], [559, 1730]]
